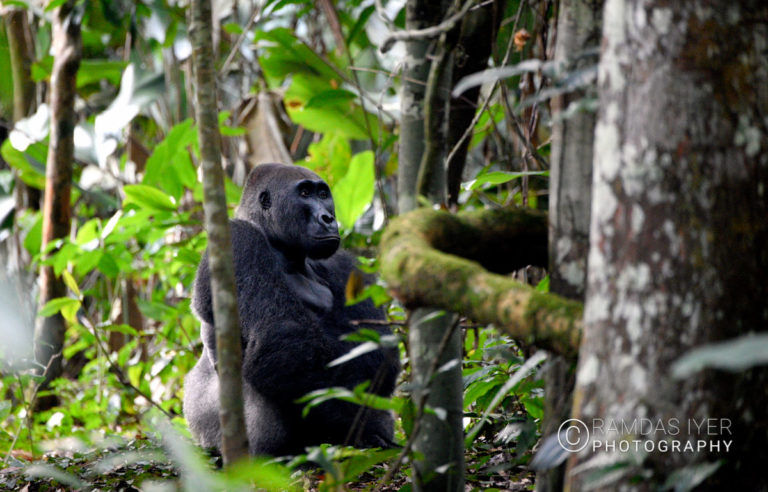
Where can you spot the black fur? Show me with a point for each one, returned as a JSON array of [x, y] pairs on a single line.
[[290, 284]]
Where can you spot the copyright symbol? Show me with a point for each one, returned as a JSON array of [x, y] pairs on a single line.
[[573, 435]]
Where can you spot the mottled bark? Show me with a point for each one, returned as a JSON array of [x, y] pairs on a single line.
[[578, 30], [67, 48], [433, 258], [678, 239], [234, 444], [419, 14]]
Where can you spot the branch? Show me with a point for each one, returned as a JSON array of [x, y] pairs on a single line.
[[428, 32], [436, 259]]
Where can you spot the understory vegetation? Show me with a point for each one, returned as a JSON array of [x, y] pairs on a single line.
[[297, 82]]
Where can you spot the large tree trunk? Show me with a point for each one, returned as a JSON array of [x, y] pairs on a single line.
[[67, 46], [678, 237], [422, 146], [234, 442], [578, 30]]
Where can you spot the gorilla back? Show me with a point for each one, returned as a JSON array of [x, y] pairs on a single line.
[[290, 286]]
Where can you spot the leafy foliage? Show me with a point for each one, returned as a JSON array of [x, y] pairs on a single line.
[[137, 236]]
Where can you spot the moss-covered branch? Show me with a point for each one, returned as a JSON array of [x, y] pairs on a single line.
[[437, 259]]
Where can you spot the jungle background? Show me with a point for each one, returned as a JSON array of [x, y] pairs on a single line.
[[331, 86]]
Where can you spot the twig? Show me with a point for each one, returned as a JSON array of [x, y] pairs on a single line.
[[236, 47], [427, 32]]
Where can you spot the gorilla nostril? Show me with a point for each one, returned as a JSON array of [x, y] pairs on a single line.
[[328, 219]]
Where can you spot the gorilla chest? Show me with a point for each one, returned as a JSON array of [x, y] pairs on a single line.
[[311, 291]]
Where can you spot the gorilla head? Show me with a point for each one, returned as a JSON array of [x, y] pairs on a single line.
[[294, 208]]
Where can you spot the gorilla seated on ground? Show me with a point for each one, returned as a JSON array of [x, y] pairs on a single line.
[[290, 286]]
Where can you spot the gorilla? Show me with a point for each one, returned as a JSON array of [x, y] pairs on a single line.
[[291, 298]]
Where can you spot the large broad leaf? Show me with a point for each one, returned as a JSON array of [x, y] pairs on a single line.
[[31, 170], [313, 103], [148, 197], [329, 157], [169, 167], [354, 192]]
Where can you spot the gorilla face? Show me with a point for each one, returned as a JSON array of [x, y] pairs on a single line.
[[294, 208], [309, 203]]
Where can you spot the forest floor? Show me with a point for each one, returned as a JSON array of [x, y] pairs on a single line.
[[140, 465]]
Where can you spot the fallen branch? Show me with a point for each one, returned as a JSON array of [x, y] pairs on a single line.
[[456, 262]]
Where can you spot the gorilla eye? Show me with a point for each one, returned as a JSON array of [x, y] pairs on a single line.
[[304, 193], [323, 194]]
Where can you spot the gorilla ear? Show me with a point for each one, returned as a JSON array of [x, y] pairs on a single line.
[[265, 199]]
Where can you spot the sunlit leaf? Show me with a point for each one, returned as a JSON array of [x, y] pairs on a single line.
[[60, 304], [354, 192], [70, 281], [499, 177], [148, 197]]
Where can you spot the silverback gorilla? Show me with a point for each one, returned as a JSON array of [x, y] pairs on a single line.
[[290, 286]]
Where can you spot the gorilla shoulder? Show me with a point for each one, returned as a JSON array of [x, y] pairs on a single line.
[[252, 254]]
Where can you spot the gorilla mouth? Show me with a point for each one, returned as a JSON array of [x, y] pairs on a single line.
[[326, 238]]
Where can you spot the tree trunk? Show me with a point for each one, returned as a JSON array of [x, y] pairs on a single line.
[[678, 237], [67, 46], [578, 30], [476, 39], [420, 165], [234, 443], [21, 50], [434, 340], [419, 14]]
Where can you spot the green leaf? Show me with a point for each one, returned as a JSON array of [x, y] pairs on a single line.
[[108, 266], [329, 157], [260, 473], [331, 97], [543, 285], [499, 177], [148, 197], [62, 305], [347, 119], [126, 329], [88, 232], [357, 465], [169, 167], [34, 239], [53, 4], [354, 192], [134, 374], [31, 174], [69, 280], [94, 71], [86, 262]]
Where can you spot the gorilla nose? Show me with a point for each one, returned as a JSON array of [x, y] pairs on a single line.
[[328, 219]]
